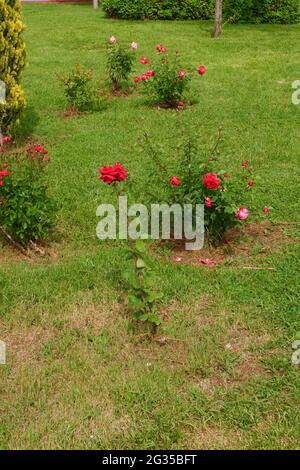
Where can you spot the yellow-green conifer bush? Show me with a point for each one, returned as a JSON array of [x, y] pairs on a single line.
[[12, 62]]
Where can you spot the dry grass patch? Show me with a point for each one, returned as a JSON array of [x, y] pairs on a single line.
[[254, 238]]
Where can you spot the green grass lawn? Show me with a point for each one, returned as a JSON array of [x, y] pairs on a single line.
[[76, 375]]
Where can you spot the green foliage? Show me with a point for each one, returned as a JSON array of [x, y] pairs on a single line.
[[262, 11], [166, 86], [12, 61], [141, 279], [26, 209], [159, 9], [119, 64], [78, 88], [253, 11]]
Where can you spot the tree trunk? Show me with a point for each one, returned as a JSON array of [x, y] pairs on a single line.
[[218, 21]]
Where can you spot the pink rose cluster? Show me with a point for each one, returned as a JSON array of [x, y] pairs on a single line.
[[113, 40]]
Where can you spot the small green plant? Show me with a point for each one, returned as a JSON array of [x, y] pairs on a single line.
[[119, 63], [141, 279], [26, 209], [79, 89]]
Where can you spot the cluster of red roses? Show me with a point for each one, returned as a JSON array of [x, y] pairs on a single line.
[[213, 182], [3, 173], [147, 75], [144, 77], [37, 150], [110, 174]]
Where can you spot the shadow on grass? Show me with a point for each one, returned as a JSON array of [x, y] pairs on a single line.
[[28, 123]]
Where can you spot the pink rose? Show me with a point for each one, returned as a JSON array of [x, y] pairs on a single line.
[[211, 181], [181, 74], [207, 262], [209, 203], [266, 210], [175, 181], [202, 70], [112, 40], [242, 213], [134, 46]]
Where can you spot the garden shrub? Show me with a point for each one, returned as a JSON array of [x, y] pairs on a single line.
[[262, 11], [119, 62], [167, 80], [79, 89], [196, 179], [12, 61], [251, 11], [159, 9], [26, 209]]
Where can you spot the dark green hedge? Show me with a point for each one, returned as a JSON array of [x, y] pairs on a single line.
[[262, 11], [159, 9], [249, 11]]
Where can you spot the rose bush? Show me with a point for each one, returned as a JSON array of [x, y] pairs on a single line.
[[119, 62], [227, 198], [167, 81], [27, 212]]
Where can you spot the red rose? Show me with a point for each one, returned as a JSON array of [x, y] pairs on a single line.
[[245, 164], [144, 77], [3, 173], [175, 181], [202, 70], [266, 210], [109, 174], [150, 73], [211, 181], [180, 104], [161, 49], [136, 79]]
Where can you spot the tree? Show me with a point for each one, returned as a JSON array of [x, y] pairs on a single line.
[[12, 62], [218, 19]]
